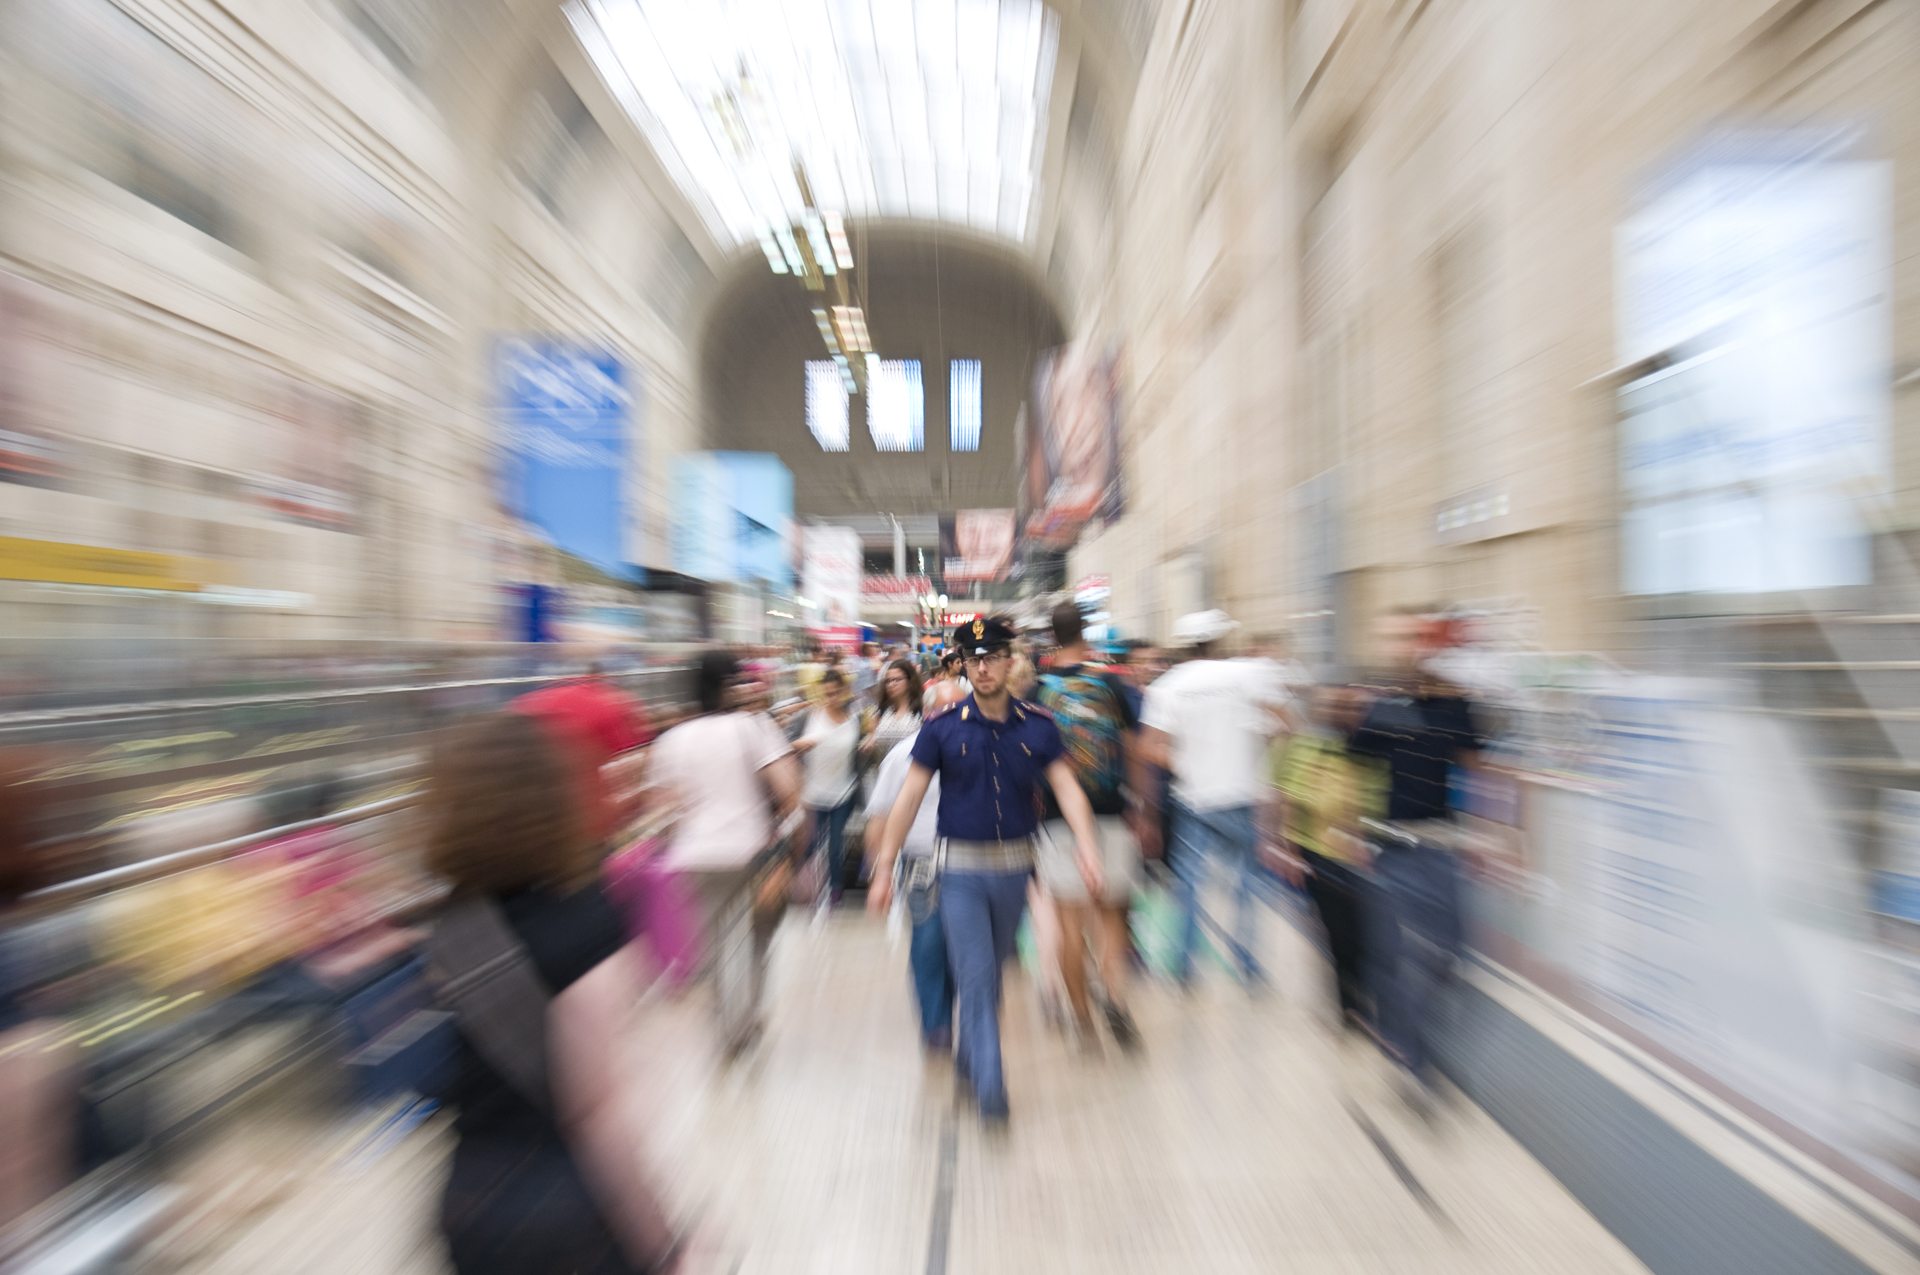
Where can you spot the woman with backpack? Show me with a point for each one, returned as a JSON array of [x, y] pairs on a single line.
[[1096, 720]]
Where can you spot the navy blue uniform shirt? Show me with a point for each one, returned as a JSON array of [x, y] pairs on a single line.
[[991, 773]]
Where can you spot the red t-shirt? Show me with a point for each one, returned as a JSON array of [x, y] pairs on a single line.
[[594, 723]]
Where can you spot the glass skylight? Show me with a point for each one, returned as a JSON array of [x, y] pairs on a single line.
[[963, 405], [896, 405], [930, 109]]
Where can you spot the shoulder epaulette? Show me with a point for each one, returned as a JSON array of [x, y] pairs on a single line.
[[1032, 707]]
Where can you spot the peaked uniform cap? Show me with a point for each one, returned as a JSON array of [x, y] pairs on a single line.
[[980, 636]]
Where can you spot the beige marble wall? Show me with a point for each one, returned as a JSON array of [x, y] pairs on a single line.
[[385, 227], [1376, 239]]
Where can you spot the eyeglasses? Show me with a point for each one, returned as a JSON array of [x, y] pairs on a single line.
[[994, 658]]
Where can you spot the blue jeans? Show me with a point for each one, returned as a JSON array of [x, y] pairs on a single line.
[[1413, 935], [981, 914], [830, 826], [932, 980], [1200, 836]]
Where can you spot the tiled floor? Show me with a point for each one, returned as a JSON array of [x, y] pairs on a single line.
[[1247, 1137]]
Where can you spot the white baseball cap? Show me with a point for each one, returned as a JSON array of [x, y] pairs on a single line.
[[1203, 626]]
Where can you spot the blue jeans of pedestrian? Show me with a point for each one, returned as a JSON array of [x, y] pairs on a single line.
[[830, 829], [981, 914], [1202, 837], [932, 979]]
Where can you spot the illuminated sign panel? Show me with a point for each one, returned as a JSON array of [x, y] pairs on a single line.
[[1754, 290]]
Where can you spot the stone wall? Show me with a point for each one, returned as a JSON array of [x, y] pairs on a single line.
[[1364, 273], [264, 248]]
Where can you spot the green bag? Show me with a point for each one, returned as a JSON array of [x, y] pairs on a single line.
[[1157, 923]]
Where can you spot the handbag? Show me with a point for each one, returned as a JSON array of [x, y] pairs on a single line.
[[779, 881], [657, 907], [784, 876]]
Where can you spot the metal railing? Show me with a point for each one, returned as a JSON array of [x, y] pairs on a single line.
[[113, 712], [95, 884], [421, 706]]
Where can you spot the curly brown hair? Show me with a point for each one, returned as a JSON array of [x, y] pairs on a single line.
[[502, 810]]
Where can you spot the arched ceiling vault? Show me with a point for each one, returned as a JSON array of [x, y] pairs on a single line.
[[1093, 74]]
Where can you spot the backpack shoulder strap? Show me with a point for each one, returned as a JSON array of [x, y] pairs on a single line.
[[486, 977]]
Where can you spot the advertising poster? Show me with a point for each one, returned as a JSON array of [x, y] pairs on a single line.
[[1693, 888], [31, 449], [565, 412], [977, 544], [733, 518], [1073, 444], [895, 589], [702, 517], [310, 437], [1755, 282], [830, 577], [761, 491]]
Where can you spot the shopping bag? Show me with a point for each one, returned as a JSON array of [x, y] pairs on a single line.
[[657, 907], [1157, 923]]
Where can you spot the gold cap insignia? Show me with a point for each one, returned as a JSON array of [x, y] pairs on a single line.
[[979, 627]]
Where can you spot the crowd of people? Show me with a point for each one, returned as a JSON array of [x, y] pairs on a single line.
[[964, 789]]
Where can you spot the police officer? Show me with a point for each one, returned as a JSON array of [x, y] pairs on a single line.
[[992, 753]]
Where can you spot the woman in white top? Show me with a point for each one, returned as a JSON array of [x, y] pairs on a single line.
[[830, 748], [729, 776]]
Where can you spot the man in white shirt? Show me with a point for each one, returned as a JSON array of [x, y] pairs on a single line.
[[933, 983], [1209, 722], [863, 670]]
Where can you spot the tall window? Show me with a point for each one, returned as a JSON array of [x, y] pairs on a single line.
[[963, 405], [896, 405], [827, 405]]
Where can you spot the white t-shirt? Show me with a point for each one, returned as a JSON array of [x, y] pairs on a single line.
[[829, 762], [713, 765], [887, 783], [1219, 715]]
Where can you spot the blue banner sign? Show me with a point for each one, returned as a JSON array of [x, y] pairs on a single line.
[[565, 410], [733, 518]]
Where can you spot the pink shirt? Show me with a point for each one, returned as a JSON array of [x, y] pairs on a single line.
[[713, 765]]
